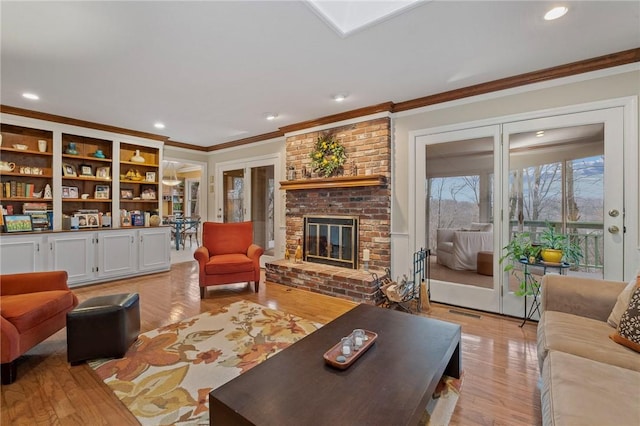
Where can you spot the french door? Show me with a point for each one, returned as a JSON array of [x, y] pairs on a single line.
[[566, 171], [478, 187], [456, 181], [246, 192]]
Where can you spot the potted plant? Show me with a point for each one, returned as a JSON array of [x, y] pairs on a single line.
[[520, 248], [557, 246]]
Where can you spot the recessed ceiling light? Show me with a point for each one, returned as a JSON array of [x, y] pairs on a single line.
[[159, 125], [340, 97], [31, 96], [270, 116], [555, 13], [540, 134]]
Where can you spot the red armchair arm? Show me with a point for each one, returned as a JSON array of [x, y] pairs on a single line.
[[254, 252], [33, 282]]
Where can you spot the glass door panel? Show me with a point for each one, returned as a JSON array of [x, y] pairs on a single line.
[[233, 194], [564, 176], [262, 207], [457, 172]]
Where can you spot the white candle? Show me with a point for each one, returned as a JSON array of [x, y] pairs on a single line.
[[346, 350], [365, 255], [358, 341]]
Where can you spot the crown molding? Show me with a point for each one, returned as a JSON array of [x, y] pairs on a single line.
[[580, 67], [246, 141], [185, 145], [343, 116], [80, 123]]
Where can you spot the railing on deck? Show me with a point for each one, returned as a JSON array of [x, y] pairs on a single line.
[[588, 235]]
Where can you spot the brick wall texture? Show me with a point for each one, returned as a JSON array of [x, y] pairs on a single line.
[[368, 146]]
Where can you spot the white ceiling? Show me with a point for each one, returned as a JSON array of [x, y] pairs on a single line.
[[210, 70]]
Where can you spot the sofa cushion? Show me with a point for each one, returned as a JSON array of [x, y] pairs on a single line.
[[628, 333], [578, 391], [583, 337], [29, 310], [622, 302], [228, 264]]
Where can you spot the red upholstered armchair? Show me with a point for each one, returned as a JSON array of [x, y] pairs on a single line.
[[228, 255], [33, 306]]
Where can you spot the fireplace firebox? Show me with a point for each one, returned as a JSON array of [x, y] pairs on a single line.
[[331, 240]]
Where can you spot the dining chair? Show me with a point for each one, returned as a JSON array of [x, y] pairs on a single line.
[[191, 229]]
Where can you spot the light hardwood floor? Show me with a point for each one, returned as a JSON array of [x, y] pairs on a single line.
[[499, 358]]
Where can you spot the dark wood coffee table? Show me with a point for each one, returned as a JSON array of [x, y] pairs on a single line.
[[391, 383]]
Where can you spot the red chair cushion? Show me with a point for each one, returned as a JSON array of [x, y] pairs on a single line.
[[228, 264], [29, 310]]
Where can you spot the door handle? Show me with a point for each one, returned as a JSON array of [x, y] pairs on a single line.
[[613, 229], [614, 213]]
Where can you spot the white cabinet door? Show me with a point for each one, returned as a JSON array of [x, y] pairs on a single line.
[[154, 252], [117, 253], [75, 253], [22, 254]]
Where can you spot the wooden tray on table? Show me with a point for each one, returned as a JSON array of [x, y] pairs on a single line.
[[331, 355]]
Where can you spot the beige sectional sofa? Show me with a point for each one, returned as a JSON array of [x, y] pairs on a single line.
[[587, 378]]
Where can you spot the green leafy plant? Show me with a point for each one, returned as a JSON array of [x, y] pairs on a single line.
[[520, 247]]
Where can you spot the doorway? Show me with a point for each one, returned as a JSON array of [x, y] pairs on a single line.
[[247, 192], [476, 188]]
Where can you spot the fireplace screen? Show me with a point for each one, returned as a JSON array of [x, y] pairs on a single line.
[[331, 240]]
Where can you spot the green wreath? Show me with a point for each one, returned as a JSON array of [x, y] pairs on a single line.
[[328, 156]]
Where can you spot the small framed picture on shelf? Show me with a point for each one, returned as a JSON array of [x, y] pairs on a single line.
[[93, 220], [103, 172], [102, 192], [126, 194], [86, 170], [70, 192], [82, 220], [68, 170], [150, 176], [148, 194], [18, 223]]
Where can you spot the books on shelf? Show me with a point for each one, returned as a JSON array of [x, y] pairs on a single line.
[[12, 189]]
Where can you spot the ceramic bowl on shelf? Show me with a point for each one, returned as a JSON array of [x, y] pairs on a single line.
[[20, 146]]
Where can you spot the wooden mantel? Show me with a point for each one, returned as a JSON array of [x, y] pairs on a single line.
[[333, 182]]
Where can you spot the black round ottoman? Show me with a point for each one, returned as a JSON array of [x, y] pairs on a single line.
[[103, 327]]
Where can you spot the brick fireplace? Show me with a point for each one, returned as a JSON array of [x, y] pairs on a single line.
[[362, 192]]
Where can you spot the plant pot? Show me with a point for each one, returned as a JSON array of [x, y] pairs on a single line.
[[551, 255]]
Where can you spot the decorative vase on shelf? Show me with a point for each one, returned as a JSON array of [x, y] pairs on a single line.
[[71, 149], [137, 158]]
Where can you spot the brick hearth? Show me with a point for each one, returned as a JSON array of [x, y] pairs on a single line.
[[357, 285]]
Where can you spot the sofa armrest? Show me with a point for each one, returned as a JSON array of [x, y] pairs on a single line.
[[586, 297], [33, 282]]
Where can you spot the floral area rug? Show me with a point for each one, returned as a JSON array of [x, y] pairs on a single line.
[[166, 376]]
